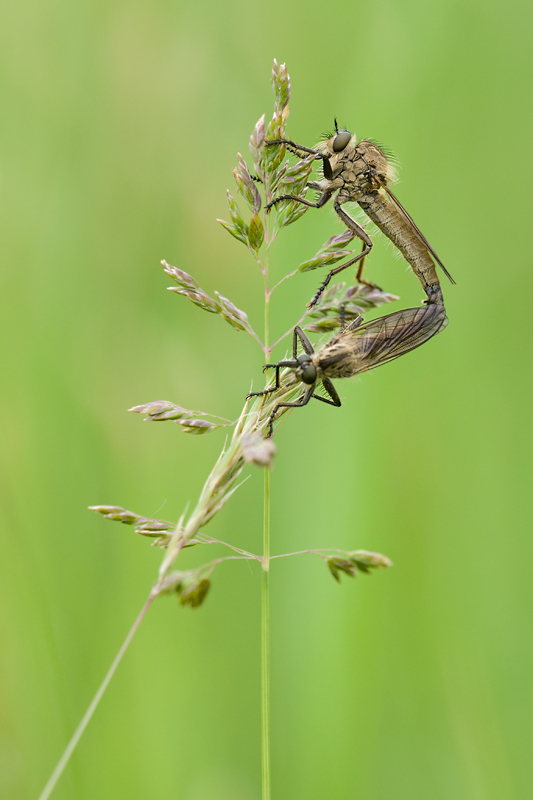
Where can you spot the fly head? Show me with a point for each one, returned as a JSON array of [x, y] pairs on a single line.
[[306, 370], [341, 140]]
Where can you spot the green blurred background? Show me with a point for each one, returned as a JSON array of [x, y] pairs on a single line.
[[121, 122]]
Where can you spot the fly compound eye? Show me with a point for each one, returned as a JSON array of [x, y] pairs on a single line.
[[303, 358], [341, 140], [309, 374]]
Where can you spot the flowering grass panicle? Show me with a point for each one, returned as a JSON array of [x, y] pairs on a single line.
[[249, 444], [270, 173]]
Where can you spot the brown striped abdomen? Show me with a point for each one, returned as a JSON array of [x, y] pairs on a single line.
[[389, 220]]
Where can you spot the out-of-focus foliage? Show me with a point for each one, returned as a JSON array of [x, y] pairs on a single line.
[[121, 123]]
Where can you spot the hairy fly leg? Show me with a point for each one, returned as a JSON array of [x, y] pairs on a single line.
[[306, 344], [294, 148], [303, 401], [333, 400], [360, 232], [322, 200], [330, 389], [353, 324], [308, 349], [277, 367]]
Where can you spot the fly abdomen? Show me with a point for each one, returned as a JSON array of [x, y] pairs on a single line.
[[390, 221]]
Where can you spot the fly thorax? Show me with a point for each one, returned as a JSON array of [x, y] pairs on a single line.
[[375, 161]]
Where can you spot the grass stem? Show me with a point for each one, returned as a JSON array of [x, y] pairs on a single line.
[[78, 733], [265, 645], [265, 597]]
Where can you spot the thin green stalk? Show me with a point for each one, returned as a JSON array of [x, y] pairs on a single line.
[[78, 733], [265, 599], [265, 644], [268, 292]]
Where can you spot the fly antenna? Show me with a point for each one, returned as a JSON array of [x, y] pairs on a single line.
[[335, 121]]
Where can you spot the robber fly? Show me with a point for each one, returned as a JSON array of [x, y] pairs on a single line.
[[357, 348], [360, 172]]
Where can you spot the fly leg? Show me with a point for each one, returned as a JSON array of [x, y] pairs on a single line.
[[360, 268], [343, 317], [303, 401], [328, 386], [352, 225], [353, 324], [307, 346], [293, 148], [322, 200], [276, 386], [360, 232], [330, 389]]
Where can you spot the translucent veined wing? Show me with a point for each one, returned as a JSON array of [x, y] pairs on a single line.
[[386, 338]]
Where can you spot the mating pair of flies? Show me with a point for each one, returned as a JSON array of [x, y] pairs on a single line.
[[359, 172]]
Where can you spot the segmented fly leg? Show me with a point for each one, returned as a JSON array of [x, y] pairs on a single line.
[[293, 147], [306, 344], [360, 268], [303, 401], [322, 200], [330, 389], [352, 225], [360, 232], [353, 324], [343, 316], [328, 386], [277, 367]]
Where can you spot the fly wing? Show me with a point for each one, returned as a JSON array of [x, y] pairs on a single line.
[[418, 233], [390, 337]]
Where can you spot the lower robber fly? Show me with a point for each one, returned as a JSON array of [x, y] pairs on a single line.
[[359, 172], [357, 348]]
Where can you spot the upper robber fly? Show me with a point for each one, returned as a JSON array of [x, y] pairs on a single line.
[[360, 171], [355, 349]]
